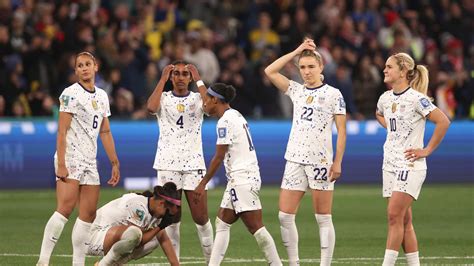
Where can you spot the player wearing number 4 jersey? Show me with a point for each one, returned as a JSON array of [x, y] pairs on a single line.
[[309, 154], [403, 112], [83, 115], [234, 147], [179, 157]]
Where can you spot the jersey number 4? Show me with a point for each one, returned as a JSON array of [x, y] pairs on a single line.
[[180, 122]]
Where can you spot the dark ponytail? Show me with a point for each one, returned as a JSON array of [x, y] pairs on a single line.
[[168, 192], [227, 91]]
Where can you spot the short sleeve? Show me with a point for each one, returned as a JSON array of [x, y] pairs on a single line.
[[292, 88], [136, 212], [380, 106], [339, 105], [106, 106], [68, 101], [424, 106], [224, 132]]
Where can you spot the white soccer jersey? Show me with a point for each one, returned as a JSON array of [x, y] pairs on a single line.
[[233, 130], [310, 139], [404, 115], [88, 109], [131, 208], [180, 142]]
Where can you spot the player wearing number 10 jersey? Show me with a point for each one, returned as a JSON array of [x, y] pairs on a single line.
[[403, 112], [179, 157]]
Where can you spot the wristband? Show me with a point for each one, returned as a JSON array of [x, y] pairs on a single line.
[[200, 83]]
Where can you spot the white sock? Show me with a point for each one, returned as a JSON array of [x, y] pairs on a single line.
[[140, 252], [206, 238], [327, 237], [267, 245], [289, 235], [130, 239], [390, 257], [80, 235], [413, 259], [220, 243], [173, 233], [52, 232]]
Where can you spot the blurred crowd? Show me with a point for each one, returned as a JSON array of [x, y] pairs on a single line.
[[232, 42]]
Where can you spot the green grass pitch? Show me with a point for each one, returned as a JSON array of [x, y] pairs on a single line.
[[443, 219]]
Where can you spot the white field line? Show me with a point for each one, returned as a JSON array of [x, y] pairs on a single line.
[[199, 260]]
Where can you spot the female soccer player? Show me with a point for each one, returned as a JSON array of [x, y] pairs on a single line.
[[241, 200], [131, 227], [309, 154], [83, 113], [179, 157], [403, 111]]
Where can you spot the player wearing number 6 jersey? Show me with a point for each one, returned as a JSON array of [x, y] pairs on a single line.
[[83, 115], [179, 157], [403, 111], [309, 154], [235, 147]]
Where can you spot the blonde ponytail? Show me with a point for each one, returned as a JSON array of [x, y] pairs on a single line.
[[417, 75]]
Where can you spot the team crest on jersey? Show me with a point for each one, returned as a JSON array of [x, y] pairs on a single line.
[[425, 102], [94, 104], [309, 99], [394, 107], [180, 107], [222, 132]]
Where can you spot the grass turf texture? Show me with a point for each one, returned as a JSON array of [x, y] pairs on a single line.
[[443, 219]]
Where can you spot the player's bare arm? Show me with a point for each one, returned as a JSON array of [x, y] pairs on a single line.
[[273, 70], [153, 102], [380, 118], [109, 146], [442, 124], [167, 248], [197, 78], [336, 168], [213, 167], [63, 126]]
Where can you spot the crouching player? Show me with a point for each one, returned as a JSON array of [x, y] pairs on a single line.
[[132, 226]]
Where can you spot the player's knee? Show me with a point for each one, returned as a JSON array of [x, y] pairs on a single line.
[[394, 217], [133, 235], [200, 219]]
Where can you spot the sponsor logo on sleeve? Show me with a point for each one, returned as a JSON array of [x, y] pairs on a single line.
[[342, 104], [425, 103], [222, 132]]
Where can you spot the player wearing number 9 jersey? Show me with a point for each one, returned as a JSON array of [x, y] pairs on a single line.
[[83, 115], [309, 154], [179, 157], [403, 112], [235, 147]]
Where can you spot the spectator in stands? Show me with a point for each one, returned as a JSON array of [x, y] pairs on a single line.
[[262, 37]]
